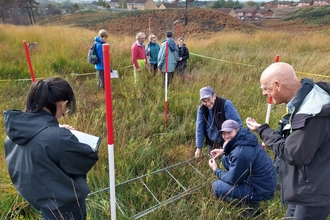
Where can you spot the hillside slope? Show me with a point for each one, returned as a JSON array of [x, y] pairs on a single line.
[[200, 22]]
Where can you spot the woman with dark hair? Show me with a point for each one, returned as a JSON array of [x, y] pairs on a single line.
[[46, 162]]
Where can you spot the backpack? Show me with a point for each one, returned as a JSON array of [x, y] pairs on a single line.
[[92, 55]]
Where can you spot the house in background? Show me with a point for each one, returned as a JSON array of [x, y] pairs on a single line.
[[284, 4], [169, 5], [320, 3], [305, 3], [263, 12], [246, 13], [145, 5], [227, 11]]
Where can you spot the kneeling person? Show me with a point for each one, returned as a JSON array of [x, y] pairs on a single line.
[[249, 173]]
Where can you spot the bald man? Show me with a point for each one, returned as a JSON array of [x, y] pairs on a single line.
[[302, 141]]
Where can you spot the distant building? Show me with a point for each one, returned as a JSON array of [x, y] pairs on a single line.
[[263, 12], [169, 5], [227, 11], [246, 13], [284, 4], [305, 3], [320, 3]]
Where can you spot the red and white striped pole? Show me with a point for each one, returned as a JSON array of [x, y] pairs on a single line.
[[166, 80], [269, 105], [108, 100], [29, 60]]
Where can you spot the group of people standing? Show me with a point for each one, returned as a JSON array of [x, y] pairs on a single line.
[[301, 145], [157, 58]]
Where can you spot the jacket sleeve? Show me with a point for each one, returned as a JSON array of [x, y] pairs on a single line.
[[134, 56], [200, 122], [185, 54], [77, 158], [231, 112], [161, 56], [299, 147], [99, 53], [239, 169]]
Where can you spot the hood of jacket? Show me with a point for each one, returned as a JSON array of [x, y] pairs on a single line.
[[21, 127], [244, 137], [171, 44], [98, 40], [312, 99]]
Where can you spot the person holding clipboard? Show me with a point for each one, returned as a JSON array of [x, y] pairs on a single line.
[[46, 162]]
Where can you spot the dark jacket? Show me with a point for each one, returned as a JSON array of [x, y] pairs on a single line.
[[248, 164], [305, 153], [184, 53], [46, 163]]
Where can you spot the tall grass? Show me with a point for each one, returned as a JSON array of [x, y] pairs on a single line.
[[143, 142]]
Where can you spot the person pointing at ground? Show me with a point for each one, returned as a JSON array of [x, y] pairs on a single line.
[[302, 141]]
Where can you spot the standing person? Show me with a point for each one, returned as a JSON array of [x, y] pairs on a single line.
[[139, 57], [183, 57], [100, 39], [173, 54], [152, 50], [249, 174], [46, 163], [303, 140], [213, 111]]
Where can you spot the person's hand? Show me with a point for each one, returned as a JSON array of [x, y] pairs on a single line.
[[216, 153], [213, 164], [139, 70], [252, 124], [180, 58], [68, 127], [198, 152], [159, 70], [147, 66]]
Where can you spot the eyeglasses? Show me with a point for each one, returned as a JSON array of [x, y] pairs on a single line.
[[266, 89]]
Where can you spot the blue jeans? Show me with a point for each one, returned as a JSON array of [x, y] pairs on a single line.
[[307, 212], [222, 189]]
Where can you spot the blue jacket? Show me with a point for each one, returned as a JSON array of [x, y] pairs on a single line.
[[247, 163], [212, 130], [153, 55], [98, 48], [173, 54]]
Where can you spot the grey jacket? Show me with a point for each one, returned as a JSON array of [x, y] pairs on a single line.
[[46, 163], [305, 153]]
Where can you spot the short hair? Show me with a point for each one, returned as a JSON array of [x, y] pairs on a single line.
[[168, 34], [180, 38], [138, 35], [45, 93], [103, 33], [152, 36]]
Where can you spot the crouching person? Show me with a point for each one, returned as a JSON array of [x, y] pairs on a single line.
[[249, 175]]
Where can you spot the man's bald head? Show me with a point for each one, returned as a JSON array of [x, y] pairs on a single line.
[[280, 81]]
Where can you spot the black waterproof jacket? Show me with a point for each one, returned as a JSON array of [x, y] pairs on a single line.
[[46, 163], [305, 153]]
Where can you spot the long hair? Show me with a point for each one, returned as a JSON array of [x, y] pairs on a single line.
[[45, 93]]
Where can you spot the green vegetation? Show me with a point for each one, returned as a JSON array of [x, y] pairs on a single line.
[[143, 142], [312, 15]]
